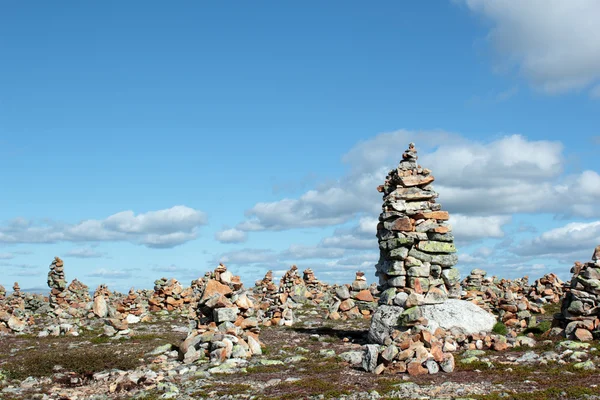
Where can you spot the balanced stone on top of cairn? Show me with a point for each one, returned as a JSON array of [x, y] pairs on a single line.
[[415, 240], [2, 293], [580, 310]]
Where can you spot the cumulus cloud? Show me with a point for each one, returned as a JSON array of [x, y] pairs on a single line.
[[550, 42], [468, 228], [248, 256], [163, 228], [231, 236], [508, 175], [571, 238], [110, 273], [84, 252], [353, 194], [306, 252]]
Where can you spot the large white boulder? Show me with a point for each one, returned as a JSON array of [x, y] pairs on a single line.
[[458, 314]]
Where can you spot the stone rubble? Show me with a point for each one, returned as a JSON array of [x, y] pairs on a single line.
[[580, 310], [514, 301], [226, 326], [549, 289], [353, 301], [13, 316], [276, 303], [170, 295]]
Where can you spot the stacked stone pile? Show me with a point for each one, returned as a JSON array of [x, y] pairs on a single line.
[[56, 282], [292, 286], [352, 301], [132, 304], [515, 310], [503, 297], [316, 288], [2, 294], [418, 312], [66, 301], [169, 295], [547, 290], [226, 326], [13, 316], [78, 294], [580, 311], [16, 300], [266, 286], [415, 239], [274, 305]]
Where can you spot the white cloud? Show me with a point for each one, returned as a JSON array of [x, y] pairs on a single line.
[[84, 252], [571, 238], [465, 258], [231, 236], [110, 273], [467, 228], [163, 228], [6, 256], [508, 175], [305, 252], [248, 256], [551, 42]]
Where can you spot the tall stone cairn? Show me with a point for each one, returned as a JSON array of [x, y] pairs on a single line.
[[416, 263], [56, 281], [580, 310]]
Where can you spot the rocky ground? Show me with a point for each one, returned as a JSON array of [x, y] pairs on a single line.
[[313, 359]]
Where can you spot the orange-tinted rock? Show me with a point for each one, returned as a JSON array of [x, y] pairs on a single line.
[[403, 225], [583, 335], [415, 368], [213, 287], [364, 295]]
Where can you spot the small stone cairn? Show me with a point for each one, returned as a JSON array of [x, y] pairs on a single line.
[[133, 304], [292, 286], [315, 287], [352, 301], [13, 316], [226, 326], [169, 295], [580, 311], [57, 282], [547, 290], [274, 305], [504, 297]]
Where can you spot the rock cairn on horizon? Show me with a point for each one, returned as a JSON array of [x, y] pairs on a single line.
[[417, 259], [56, 281], [580, 310]]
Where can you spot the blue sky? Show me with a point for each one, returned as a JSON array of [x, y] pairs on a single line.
[[145, 139]]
